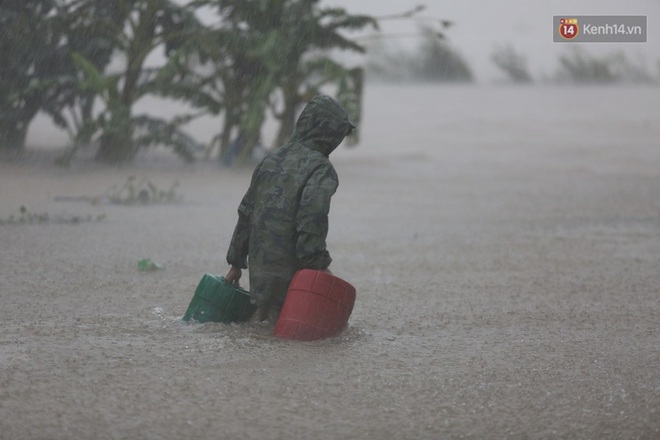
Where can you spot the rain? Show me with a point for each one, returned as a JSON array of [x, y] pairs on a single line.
[[497, 214]]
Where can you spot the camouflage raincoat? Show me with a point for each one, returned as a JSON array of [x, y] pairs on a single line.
[[283, 217]]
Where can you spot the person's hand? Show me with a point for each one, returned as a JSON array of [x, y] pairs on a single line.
[[233, 276]]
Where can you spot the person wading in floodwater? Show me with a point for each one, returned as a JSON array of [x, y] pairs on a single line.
[[283, 217]]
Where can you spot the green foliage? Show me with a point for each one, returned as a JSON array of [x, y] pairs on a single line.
[[92, 80], [28, 50], [136, 29], [267, 56], [259, 51]]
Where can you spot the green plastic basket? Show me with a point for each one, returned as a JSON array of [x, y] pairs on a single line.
[[218, 301]]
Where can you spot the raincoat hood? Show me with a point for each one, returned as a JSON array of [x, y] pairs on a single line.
[[322, 125]]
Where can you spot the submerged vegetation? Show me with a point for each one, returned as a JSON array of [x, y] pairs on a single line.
[[133, 191], [143, 192], [25, 216]]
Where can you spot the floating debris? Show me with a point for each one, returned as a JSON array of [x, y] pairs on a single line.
[[132, 192], [147, 265]]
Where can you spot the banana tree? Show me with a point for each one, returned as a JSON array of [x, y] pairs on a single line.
[[273, 56], [311, 77], [308, 34], [134, 28]]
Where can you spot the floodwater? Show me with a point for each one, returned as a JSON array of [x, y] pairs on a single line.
[[505, 247]]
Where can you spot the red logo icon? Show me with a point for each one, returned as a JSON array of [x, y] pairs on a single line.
[[568, 28]]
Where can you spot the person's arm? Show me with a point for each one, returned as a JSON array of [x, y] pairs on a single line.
[[238, 247], [312, 219], [240, 240]]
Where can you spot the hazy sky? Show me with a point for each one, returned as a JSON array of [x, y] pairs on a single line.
[[526, 24]]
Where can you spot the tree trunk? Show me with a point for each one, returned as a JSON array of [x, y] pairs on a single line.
[[288, 118], [116, 142], [13, 134], [225, 137], [115, 148]]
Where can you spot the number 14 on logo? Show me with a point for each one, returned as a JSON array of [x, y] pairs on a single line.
[[568, 28]]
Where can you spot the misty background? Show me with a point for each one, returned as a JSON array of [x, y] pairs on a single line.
[[479, 27]]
